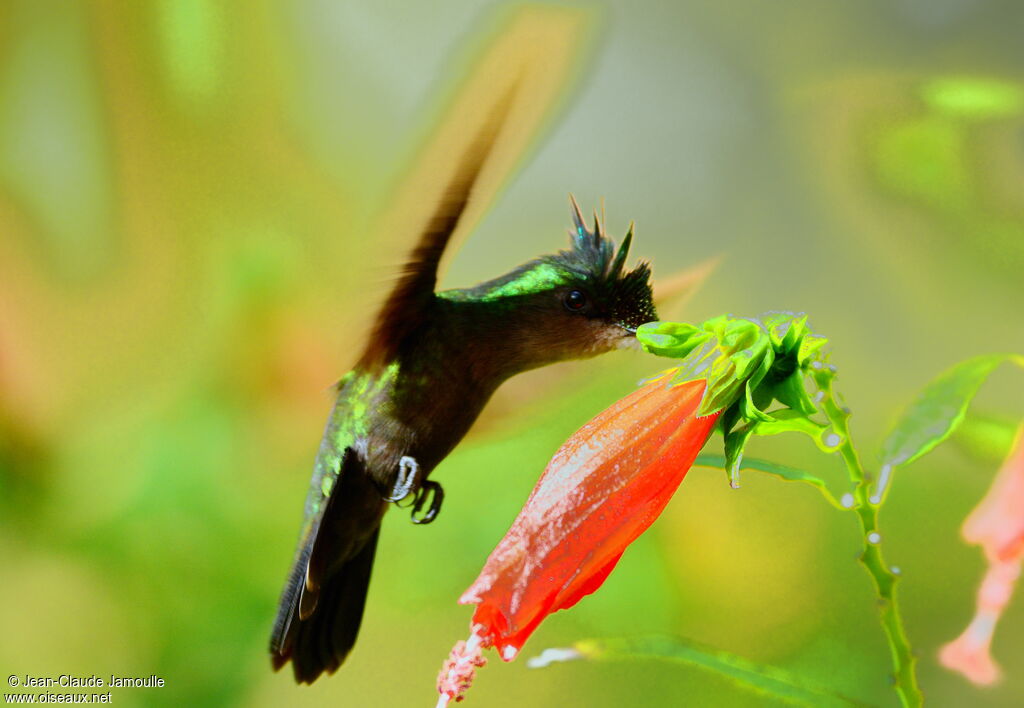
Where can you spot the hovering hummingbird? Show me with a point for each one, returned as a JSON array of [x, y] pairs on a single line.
[[431, 363]]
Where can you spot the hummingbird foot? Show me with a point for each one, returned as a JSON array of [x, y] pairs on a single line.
[[435, 492], [408, 471], [409, 479]]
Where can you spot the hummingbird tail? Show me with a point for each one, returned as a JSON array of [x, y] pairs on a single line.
[[321, 641]]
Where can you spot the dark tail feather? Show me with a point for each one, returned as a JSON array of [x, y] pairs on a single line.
[[322, 641]]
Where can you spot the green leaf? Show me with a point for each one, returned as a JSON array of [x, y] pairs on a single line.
[[939, 409], [783, 472], [986, 438], [759, 678]]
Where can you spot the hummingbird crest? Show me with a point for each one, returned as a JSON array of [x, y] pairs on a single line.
[[593, 257]]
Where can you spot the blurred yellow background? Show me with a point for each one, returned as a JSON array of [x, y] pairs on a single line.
[[186, 193]]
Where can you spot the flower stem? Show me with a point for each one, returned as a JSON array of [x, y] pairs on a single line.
[[871, 558]]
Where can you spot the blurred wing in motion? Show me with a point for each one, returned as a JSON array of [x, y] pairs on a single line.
[[485, 131], [405, 308]]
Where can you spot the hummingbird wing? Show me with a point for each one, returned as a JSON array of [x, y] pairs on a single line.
[[484, 132], [405, 308], [402, 311]]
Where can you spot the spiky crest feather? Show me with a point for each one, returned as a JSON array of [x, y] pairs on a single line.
[[593, 255]]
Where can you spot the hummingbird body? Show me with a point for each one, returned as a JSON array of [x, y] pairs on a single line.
[[429, 367], [420, 404]]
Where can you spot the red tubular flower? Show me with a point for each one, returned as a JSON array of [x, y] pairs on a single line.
[[997, 525], [602, 489]]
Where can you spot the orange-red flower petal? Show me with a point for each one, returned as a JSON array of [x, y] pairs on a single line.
[[602, 489]]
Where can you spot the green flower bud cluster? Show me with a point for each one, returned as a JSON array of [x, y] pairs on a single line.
[[745, 361]]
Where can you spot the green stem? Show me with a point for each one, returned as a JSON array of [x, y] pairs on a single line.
[[871, 558]]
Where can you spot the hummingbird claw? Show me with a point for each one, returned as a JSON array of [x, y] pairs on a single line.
[[408, 471], [406, 481], [435, 492]]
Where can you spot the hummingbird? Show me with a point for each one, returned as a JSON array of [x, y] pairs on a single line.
[[430, 365]]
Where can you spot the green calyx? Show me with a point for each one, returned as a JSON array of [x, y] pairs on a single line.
[[747, 364], [744, 361]]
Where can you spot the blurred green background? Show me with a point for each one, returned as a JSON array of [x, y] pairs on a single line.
[[184, 186]]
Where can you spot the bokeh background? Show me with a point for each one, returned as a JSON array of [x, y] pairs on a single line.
[[185, 193]]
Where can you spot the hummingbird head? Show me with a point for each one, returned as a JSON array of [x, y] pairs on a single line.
[[576, 303]]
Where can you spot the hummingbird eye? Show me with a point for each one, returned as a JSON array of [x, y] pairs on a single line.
[[575, 300]]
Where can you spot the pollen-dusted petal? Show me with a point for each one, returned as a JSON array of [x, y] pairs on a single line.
[[602, 489]]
